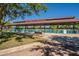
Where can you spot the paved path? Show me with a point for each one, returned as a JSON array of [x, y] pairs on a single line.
[[24, 50], [70, 35]]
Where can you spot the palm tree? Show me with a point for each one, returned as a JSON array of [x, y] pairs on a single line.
[[11, 11]]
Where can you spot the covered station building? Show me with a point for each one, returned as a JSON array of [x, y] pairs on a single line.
[[66, 25]]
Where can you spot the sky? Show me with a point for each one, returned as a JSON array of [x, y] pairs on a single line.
[[56, 10]]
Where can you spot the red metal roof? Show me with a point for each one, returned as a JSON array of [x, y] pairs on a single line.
[[64, 18], [32, 22]]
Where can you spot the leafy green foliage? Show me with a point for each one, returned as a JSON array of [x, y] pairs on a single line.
[[76, 25], [14, 10]]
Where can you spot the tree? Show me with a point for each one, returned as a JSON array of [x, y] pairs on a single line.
[[13, 10], [76, 25]]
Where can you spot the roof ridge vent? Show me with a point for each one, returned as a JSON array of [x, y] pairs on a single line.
[[63, 18]]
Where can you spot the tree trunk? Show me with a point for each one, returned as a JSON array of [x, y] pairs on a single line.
[[1, 16]]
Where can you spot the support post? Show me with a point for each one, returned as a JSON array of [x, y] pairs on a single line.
[[25, 29]]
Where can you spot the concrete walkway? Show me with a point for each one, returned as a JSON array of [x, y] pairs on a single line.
[[20, 50], [70, 35]]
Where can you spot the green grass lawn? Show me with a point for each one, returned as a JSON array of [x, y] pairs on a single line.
[[16, 41]]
